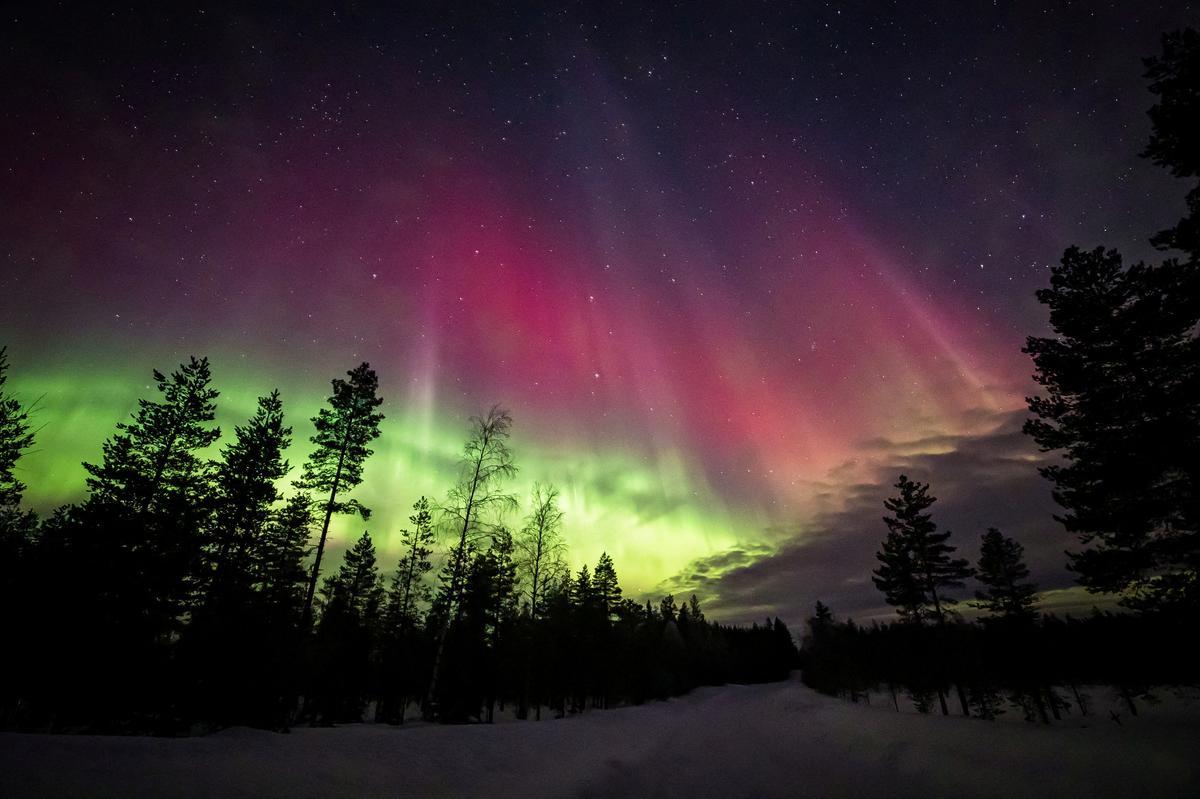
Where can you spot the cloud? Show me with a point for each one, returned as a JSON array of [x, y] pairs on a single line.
[[981, 481]]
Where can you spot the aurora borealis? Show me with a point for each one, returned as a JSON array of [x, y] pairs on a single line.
[[729, 267]]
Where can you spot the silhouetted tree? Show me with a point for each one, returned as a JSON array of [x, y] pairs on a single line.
[[278, 558], [17, 528], [343, 431], [540, 545], [1003, 571], [1121, 376], [916, 567], [246, 478], [154, 485], [346, 635], [15, 438], [1175, 118], [539, 554], [471, 509], [402, 616], [1119, 405], [605, 588]]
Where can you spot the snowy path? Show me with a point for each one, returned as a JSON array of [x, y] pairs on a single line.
[[756, 741]]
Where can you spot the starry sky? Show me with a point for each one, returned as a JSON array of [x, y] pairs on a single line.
[[732, 266]]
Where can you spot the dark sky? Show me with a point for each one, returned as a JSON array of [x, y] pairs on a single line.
[[733, 265]]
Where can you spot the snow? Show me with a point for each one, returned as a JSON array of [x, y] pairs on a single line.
[[738, 741]]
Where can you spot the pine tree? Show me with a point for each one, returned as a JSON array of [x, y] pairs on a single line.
[[152, 463], [1119, 405], [1003, 571], [17, 527], [667, 609], [343, 431], [346, 634], [916, 567], [916, 564], [540, 545], [1175, 118], [246, 478], [582, 593], [409, 589], [1121, 376], [402, 615], [153, 490], [694, 607], [15, 438], [278, 559], [605, 588]]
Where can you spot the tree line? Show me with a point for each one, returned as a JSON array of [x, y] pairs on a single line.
[[1120, 411], [187, 592]]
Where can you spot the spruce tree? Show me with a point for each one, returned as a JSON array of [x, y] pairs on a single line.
[[15, 438], [409, 589], [1175, 118], [605, 588], [153, 462], [278, 558], [1003, 571], [246, 481], [16, 527], [351, 600], [343, 430], [153, 491], [916, 567], [1120, 379]]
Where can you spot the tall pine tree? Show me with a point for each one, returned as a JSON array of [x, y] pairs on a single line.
[[1120, 379], [343, 430], [916, 567]]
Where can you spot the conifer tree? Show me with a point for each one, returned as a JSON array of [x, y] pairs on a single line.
[[1121, 376], [153, 491], [1120, 379], [343, 431], [915, 564], [605, 588], [346, 634], [916, 567], [15, 438], [16, 527], [409, 589], [152, 463], [278, 559], [1175, 118], [1003, 571], [246, 478], [582, 593]]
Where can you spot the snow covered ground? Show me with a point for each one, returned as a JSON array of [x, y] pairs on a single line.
[[738, 741]]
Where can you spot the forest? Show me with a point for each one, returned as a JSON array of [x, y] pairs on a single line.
[[1120, 410], [186, 593]]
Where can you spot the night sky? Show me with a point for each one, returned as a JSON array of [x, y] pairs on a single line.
[[732, 266]]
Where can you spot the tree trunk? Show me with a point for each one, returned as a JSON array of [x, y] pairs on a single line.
[[306, 618]]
